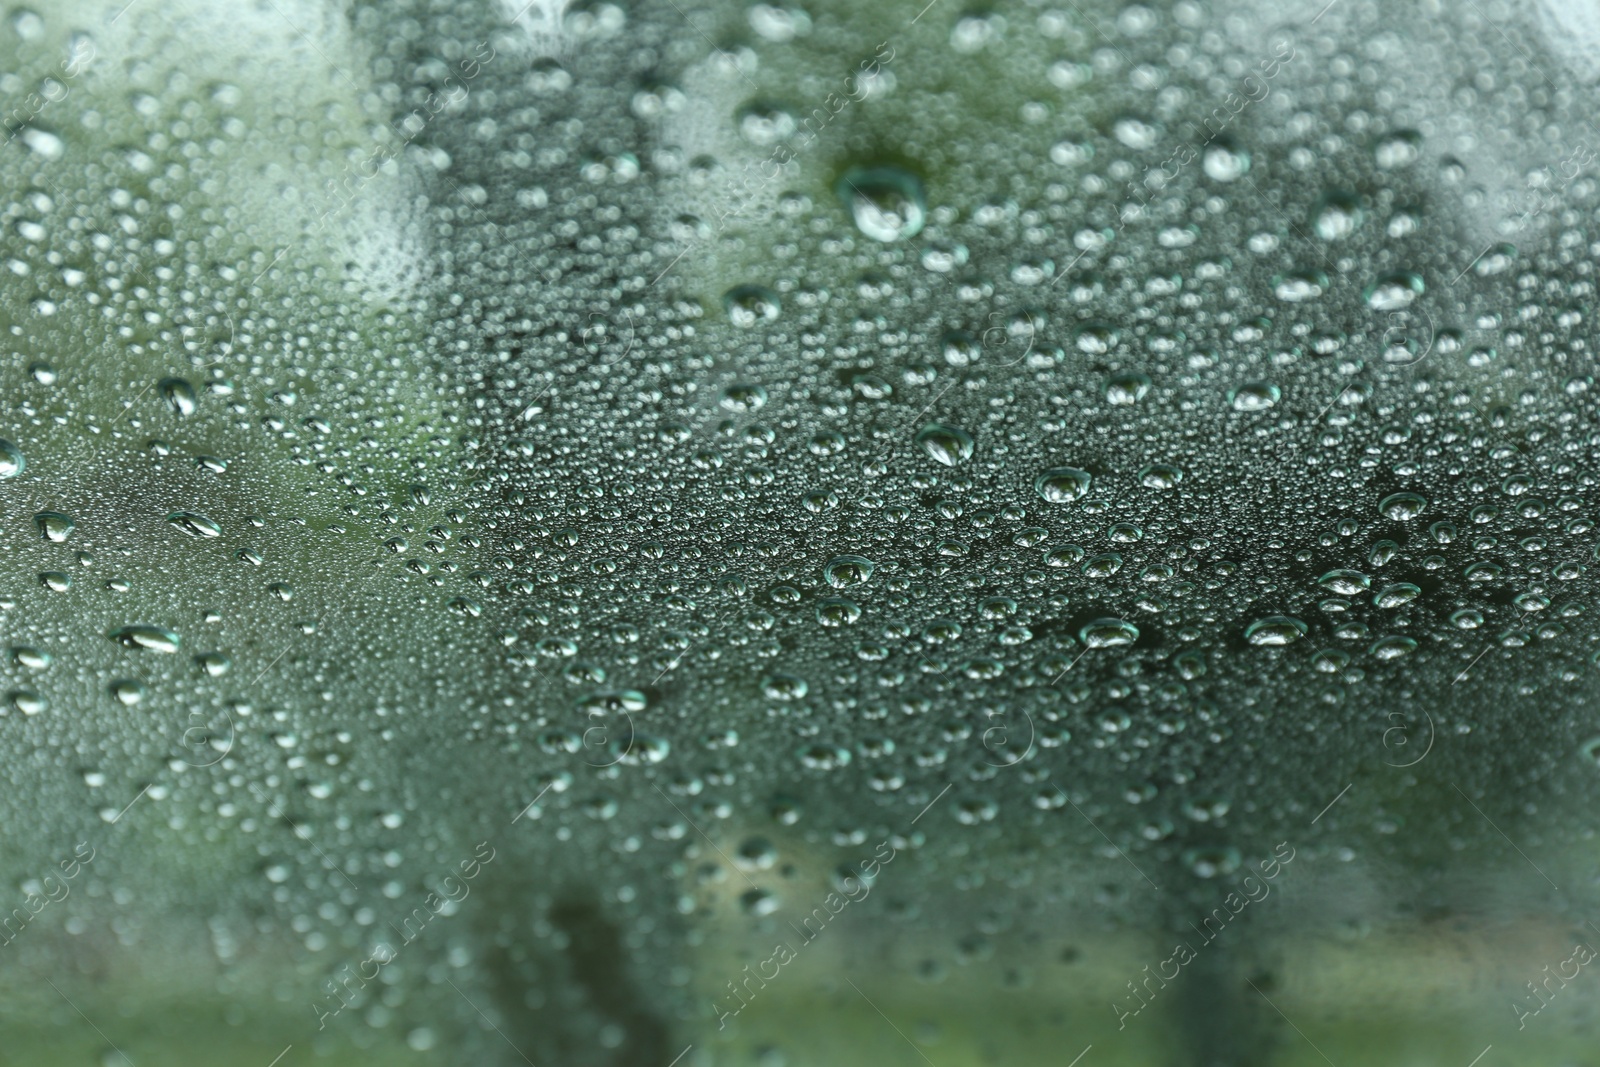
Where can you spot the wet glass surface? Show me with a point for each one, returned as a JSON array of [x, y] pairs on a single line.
[[709, 533]]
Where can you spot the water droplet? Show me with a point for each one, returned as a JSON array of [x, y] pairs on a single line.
[[843, 572], [1395, 291], [128, 691], [778, 686], [46, 145], [153, 638], [744, 397], [1205, 809], [1062, 485], [971, 811], [1393, 648], [887, 203], [945, 444], [1345, 583], [1063, 555], [755, 854], [1108, 633], [1254, 396], [1275, 631], [759, 902], [1402, 506], [54, 526], [178, 394], [1299, 287], [1496, 260], [748, 305], [11, 461], [1212, 862], [1399, 149], [1160, 476], [1125, 389], [1225, 161], [612, 701], [1337, 217], [1102, 566], [1397, 595], [838, 612], [193, 524], [942, 257], [824, 757]]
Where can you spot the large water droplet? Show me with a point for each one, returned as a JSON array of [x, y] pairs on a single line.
[[178, 394], [1397, 595], [1394, 291], [945, 444], [1225, 161], [1128, 388], [1108, 633], [779, 686], [153, 638], [1275, 631], [744, 397], [11, 461], [1402, 506], [1345, 583], [842, 572], [193, 524], [1254, 396], [748, 305], [1337, 217], [886, 202], [54, 526], [1160, 476], [1062, 485]]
